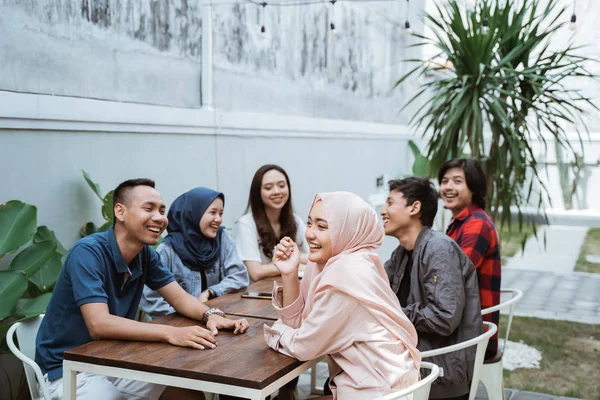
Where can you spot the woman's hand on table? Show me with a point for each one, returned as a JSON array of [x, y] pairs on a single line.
[[191, 336], [216, 322], [286, 257]]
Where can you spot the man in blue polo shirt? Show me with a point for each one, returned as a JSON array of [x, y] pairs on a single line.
[[98, 292]]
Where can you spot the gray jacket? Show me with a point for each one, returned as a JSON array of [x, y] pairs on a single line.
[[228, 274], [443, 305]]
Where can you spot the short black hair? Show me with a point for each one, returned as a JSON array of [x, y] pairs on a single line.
[[474, 176], [122, 191], [419, 189]]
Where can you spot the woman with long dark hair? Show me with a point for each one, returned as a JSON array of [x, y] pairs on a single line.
[[269, 218]]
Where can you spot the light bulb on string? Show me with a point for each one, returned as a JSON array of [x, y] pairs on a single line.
[[485, 26], [334, 31], [573, 24], [332, 28], [407, 29], [263, 30]]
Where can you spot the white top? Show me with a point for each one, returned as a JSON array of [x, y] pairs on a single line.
[[246, 239]]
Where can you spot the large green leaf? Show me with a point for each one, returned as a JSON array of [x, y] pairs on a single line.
[[33, 258], [44, 234], [420, 165], [17, 225], [95, 187], [27, 308], [12, 286], [106, 226], [47, 275], [107, 207]]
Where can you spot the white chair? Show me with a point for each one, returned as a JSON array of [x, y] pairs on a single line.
[[420, 390], [481, 342], [313, 378], [491, 372], [26, 333]]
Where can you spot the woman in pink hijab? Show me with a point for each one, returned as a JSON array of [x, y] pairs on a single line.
[[344, 307]]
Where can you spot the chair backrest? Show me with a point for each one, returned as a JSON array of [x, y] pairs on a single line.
[[26, 333], [420, 390], [480, 341], [510, 304]]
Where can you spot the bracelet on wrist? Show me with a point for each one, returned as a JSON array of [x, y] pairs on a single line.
[[210, 312]]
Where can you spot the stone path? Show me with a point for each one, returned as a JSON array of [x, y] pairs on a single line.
[[551, 290], [559, 255], [572, 297]]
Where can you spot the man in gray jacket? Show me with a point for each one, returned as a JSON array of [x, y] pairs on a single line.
[[435, 282]]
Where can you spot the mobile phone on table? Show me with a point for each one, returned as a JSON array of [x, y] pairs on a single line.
[[257, 295]]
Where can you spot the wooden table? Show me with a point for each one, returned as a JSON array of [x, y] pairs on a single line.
[[234, 304], [241, 365]]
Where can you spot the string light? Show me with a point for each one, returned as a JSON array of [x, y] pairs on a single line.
[[263, 31], [407, 27], [331, 24], [334, 32], [485, 26], [573, 24]]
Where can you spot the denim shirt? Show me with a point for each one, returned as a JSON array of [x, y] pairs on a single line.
[[228, 274]]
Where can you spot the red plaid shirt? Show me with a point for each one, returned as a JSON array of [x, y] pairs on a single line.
[[474, 232]]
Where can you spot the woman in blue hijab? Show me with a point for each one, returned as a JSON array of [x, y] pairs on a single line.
[[198, 251]]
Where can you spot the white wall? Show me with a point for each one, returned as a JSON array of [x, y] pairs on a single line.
[[45, 141], [151, 52]]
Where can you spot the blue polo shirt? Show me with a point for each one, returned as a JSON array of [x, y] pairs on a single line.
[[94, 272]]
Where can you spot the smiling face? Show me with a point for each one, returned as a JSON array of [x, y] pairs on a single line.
[[317, 235], [143, 215], [212, 219], [397, 215], [454, 191], [274, 190]]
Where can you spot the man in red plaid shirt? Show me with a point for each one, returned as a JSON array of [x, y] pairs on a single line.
[[463, 189]]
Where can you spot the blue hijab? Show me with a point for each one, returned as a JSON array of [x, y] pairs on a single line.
[[195, 250]]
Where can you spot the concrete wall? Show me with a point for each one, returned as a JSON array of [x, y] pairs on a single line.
[[150, 52], [46, 141]]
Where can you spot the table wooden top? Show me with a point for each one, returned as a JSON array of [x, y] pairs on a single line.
[[235, 304], [242, 360]]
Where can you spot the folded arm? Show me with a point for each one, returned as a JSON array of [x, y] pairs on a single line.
[[102, 325], [318, 334]]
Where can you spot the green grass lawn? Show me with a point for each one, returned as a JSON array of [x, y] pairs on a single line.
[[570, 363], [591, 245], [511, 240]]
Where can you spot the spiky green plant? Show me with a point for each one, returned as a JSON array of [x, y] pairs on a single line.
[[497, 92]]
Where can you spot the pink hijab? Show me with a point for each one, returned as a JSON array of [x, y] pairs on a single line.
[[355, 268]]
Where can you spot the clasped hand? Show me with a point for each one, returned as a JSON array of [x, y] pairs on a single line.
[[286, 257]]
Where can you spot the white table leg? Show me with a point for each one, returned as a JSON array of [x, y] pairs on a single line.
[[69, 382]]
